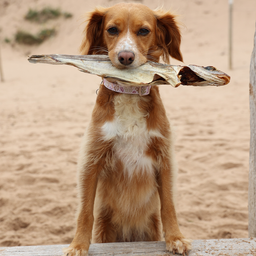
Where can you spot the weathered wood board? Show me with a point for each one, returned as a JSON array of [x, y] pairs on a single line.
[[252, 172], [227, 247]]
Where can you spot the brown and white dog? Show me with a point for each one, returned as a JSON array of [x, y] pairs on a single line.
[[126, 166]]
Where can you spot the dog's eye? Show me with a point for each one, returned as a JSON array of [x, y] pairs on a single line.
[[143, 32], [113, 31]]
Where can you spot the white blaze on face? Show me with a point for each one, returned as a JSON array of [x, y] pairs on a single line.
[[128, 44]]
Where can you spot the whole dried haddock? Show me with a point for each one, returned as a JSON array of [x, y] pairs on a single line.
[[150, 73]]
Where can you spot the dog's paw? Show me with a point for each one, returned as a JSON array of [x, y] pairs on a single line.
[[70, 251], [178, 245]]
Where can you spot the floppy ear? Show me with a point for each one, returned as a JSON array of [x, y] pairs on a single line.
[[168, 36], [93, 42]]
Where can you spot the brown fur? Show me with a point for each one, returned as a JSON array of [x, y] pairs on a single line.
[[123, 197]]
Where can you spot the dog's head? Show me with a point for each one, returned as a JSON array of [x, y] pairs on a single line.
[[131, 34]]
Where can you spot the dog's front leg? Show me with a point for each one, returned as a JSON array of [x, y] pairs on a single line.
[[175, 241], [90, 163], [81, 242]]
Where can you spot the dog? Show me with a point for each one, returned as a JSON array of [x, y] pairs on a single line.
[[126, 167]]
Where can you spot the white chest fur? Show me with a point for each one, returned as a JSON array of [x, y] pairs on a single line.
[[129, 132]]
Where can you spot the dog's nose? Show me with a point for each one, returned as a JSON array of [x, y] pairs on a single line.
[[126, 58]]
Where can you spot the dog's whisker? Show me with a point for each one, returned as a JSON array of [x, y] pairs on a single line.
[[99, 49]]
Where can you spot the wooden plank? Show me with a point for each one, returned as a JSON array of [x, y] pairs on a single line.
[[252, 171], [227, 247]]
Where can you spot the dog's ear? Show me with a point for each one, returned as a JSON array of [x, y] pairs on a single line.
[[93, 42], [168, 36]]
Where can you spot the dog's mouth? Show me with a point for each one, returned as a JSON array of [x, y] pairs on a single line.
[[136, 63], [125, 67]]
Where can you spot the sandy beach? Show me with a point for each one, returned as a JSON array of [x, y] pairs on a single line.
[[45, 109]]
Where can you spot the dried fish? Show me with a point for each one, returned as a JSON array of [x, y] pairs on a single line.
[[150, 73]]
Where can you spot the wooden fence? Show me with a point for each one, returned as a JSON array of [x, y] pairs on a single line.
[[252, 171]]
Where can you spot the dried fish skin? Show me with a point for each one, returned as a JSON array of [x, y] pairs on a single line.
[[150, 73]]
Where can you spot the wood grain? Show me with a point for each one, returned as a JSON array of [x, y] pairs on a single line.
[[227, 247]]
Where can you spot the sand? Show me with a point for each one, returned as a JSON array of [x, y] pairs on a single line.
[[45, 109]]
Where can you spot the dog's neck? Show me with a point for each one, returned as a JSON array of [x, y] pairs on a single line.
[[116, 87]]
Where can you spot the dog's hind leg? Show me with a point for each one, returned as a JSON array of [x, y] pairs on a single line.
[[155, 228], [104, 230]]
